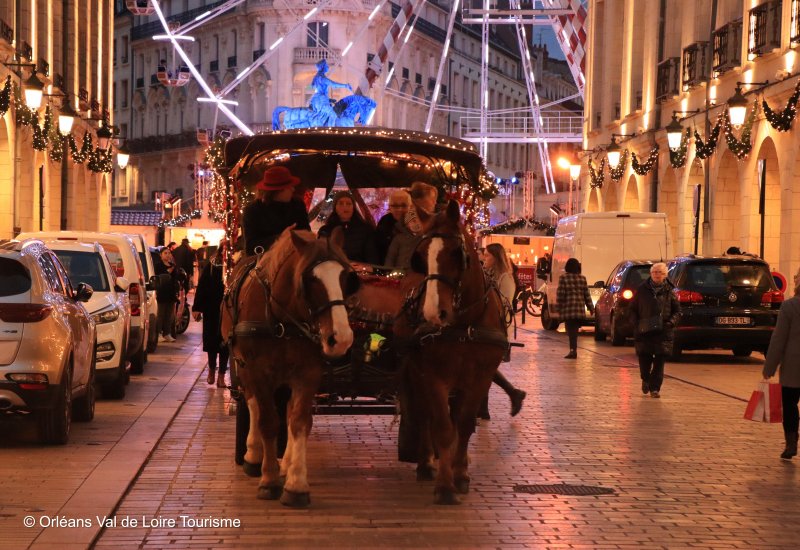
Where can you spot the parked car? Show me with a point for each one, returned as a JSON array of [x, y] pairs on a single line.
[[610, 313], [126, 263], [599, 240], [109, 307], [47, 341], [149, 273], [728, 302]]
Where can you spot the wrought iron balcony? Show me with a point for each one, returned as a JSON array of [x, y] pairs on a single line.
[[727, 52], [765, 29], [6, 32], [232, 62], [213, 66], [794, 23], [44, 67], [667, 79], [694, 62]]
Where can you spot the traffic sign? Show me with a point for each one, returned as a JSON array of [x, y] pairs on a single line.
[[780, 281]]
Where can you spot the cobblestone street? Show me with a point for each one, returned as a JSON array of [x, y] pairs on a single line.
[[686, 470]]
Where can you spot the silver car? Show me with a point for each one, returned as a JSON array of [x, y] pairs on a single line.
[[47, 341]]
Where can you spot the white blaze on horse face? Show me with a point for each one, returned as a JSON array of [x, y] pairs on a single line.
[[329, 273], [430, 308]]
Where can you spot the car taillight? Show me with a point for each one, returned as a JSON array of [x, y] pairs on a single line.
[[24, 313], [627, 294], [689, 297], [772, 297], [136, 299]]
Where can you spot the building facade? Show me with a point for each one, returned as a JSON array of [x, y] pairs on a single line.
[[161, 122], [67, 43], [646, 60]]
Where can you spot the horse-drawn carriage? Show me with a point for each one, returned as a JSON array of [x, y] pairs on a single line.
[[433, 336]]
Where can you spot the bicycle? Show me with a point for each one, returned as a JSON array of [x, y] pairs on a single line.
[[529, 301]]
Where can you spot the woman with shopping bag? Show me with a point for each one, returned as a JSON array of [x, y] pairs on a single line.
[[784, 351]]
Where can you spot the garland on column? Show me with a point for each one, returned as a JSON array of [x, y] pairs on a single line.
[[80, 156], [617, 173], [644, 169], [782, 121], [100, 160], [678, 158], [740, 147], [705, 150], [24, 116], [5, 96], [56, 144], [41, 134], [597, 177]]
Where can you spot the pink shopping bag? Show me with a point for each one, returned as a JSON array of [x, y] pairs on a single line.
[[765, 403]]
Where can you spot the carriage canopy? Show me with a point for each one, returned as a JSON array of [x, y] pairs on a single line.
[[367, 157]]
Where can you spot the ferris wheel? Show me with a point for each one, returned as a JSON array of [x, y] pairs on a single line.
[[566, 17]]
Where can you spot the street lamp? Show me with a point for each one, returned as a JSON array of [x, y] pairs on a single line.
[[67, 118], [123, 156], [34, 91], [737, 104], [104, 136], [614, 152], [674, 133]]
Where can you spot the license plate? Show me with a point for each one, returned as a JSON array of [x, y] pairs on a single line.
[[732, 320]]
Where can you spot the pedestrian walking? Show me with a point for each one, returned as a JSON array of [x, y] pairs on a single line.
[[207, 301], [784, 352], [572, 301], [499, 269], [184, 259], [169, 286], [655, 313]]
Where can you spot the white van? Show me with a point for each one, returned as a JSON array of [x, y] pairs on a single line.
[[149, 272], [599, 241], [125, 260]]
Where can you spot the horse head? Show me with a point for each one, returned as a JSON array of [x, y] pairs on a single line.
[[443, 255], [324, 278]]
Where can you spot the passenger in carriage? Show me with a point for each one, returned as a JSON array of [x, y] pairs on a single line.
[[359, 237], [423, 197], [499, 269], [275, 209], [402, 247], [399, 203]]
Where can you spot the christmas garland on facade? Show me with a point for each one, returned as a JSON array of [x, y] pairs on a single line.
[[740, 147], [678, 158], [5, 97], [617, 173], [644, 169], [706, 149], [511, 225], [597, 177], [782, 121]]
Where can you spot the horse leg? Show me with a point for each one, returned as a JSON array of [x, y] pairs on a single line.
[[296, 491], [444, 436], [466, 427], [255, 451], [269, 486]]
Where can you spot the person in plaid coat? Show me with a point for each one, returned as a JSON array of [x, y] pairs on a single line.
[[572, 301]]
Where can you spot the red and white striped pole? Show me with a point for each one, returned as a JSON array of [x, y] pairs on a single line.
[[375, 66]]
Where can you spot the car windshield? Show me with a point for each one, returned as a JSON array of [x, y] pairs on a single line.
[[84, 267], [637, 275], [721, 277], [14, 278]]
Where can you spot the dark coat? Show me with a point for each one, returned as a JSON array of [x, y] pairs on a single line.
[[784, 346], [207, 300], [572, 297], [650, 301], [359, 239], [262, 223], [402, 248], [384, 233], [168, 287], [184, 258]]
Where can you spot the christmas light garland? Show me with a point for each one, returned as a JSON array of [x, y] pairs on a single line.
[[644, 169], [678, 158], [740, 147], [705, 150], [596, 177], [41, 134], [511, 225], [5, 96], [782, 121], [617, 173], [180, 220]]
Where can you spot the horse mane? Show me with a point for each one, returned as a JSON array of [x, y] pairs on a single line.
[[276, 256]]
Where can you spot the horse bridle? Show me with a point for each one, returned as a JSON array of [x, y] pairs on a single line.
[[455, 285], [331, 303]]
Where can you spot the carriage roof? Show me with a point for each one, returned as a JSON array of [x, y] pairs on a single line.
[[368, 157]]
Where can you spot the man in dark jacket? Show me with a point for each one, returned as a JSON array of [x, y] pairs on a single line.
[[655, 313], [184, 258], [167, 291]]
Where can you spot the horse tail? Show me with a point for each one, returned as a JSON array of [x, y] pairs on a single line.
[[276, 117]]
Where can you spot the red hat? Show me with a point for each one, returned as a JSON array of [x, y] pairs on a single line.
[[277, 178]]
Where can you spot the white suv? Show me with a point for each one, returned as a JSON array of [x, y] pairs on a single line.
[[109, 307], [126, 263], [47, 341], [149, 276]]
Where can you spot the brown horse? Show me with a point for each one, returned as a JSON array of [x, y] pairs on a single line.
[[288, 316], [459, 348]]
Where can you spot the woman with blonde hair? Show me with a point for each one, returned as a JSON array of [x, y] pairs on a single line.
[[499, 269], [423, 197]]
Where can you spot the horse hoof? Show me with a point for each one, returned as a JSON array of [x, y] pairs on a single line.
[[446, 497], [425, 473], [295, 500], [251, 469], [270, 492], [462, 486]]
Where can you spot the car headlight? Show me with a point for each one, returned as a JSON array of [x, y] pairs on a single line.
[[108, 316]]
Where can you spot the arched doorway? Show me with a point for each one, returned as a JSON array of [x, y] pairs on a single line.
[[631, 203], [610, 202], [668, 204], [694, 185], [770, 215], [726, 208]]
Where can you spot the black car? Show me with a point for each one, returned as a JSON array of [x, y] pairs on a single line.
[[728, 302], [610, 313]]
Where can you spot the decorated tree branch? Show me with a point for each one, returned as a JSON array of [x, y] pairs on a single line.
[[644, 169], [782, 121], [706, 149], [597, 177]]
